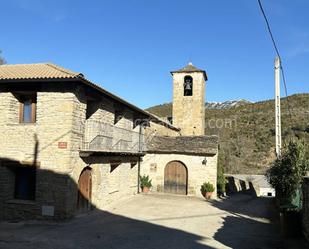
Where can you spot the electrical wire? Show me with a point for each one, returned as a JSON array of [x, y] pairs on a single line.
[[278, 54]]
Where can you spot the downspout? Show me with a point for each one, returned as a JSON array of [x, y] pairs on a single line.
[[138, 173], [139, 158]]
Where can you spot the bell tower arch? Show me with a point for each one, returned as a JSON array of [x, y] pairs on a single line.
[[189, 100]]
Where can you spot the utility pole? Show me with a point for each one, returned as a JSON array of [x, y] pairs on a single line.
[[277, 106]]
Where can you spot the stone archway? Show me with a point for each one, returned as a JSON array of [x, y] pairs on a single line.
[[84, 190], [176, 178]]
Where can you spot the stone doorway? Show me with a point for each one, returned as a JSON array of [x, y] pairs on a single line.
[[84, 190], [175, 178]]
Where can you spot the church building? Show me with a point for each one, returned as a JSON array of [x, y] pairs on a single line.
[[180, 164]]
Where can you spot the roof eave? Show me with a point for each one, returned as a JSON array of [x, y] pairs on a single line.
[[154, 118], [201, 71], [79, 78]]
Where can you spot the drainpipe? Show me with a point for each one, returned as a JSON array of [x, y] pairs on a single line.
[[138, 173], [139, 157]]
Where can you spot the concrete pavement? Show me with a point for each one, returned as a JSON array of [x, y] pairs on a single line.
[[158, 221]]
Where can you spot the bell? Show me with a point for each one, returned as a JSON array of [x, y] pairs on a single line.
[[188, 86]]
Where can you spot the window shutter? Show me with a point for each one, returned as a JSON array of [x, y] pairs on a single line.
[[33, 112], [21, 112]]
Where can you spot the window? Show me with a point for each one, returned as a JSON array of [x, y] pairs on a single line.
[[118, 116], [27, 111], [188, 86], [25, 178], [170, 120]]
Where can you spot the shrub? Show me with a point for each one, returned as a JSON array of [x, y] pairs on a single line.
[[145, 181], [286, 173], [221, 181], [207, 187]]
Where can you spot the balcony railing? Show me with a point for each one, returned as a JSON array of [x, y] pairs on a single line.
[[103, 137]]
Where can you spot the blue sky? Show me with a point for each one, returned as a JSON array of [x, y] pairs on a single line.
[[130, 46]]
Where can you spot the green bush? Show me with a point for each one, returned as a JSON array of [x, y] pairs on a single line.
[[145, 181], [221, 181], [207, 187], [286, 173]]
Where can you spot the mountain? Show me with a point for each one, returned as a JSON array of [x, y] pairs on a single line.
[[226, 104], [246, 132], [165, 110]]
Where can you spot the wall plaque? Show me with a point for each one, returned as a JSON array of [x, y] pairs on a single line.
[[62, 145], [153, 167]]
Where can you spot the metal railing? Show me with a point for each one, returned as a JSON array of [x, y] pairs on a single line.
[[104, 137]]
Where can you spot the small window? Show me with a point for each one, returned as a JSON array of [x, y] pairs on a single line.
[[137, 120], [118, 116], [91, 108], [170, 120], [188, 86], [25, 178], [27, 112]]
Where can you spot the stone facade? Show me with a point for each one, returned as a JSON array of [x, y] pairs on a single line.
[[61, 118], [74, 114], [189, 111], [156, 129], [36, 145], [154, 164]]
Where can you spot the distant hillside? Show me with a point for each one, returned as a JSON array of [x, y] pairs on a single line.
[[247, 134]]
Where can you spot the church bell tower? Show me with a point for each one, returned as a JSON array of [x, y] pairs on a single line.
[[189, 100]]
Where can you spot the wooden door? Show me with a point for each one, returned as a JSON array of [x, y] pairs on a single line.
[[84, 190], [175, 178]]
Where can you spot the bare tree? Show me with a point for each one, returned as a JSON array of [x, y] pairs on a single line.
[[2, 60]]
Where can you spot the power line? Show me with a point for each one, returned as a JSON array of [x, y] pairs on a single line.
[[278, 54]]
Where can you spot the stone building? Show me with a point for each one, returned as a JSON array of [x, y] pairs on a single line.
[[69, 145], [181, 164], [189, 100]]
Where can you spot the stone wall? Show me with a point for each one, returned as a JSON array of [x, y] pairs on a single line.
[[109, 183], [189, 111], [113, 178], [305, 210], [198, 173], [61, 118], [36, 145], [159, 130], [53, 145]]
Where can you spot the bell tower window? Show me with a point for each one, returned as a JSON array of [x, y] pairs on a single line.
[[188, 86]]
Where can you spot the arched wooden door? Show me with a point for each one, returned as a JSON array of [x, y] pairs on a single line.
[[175, 178], [84, 190]]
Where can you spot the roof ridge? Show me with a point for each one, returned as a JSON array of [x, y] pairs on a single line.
[[22, 64], [64, 70]]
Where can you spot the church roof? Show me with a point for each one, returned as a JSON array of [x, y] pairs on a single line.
[[190, 69], [191, 145]]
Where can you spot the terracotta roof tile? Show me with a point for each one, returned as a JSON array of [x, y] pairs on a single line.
[[45, 71], [35, 71]]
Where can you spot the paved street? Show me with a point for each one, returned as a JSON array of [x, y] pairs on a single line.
[[158, 221]]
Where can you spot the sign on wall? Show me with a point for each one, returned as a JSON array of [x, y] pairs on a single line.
[[153, 167], [62, 145]]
